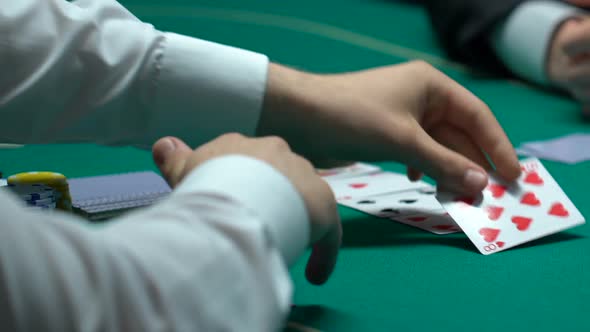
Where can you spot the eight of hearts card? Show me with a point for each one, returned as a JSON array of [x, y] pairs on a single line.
[[507, 215]]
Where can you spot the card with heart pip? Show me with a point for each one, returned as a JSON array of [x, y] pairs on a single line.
[[418, 208], [398, 203], [356, 169], [437, 222], [506, 215], [372, 184]]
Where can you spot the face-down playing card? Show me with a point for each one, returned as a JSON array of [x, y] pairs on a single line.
[[417, 207], [506, 215]]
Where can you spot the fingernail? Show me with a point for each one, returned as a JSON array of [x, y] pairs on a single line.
[[475, 180], [165, 148]]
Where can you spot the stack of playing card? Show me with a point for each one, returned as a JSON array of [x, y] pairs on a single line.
[[103, 197], [569, 149], [503, 216], [389, 195]]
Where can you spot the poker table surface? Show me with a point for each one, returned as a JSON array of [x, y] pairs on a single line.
[[389, 277]]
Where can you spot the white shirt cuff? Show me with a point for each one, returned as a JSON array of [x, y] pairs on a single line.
[[262, 189], [226, 84], [523, 39]]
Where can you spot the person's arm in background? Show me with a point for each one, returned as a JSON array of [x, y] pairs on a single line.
[[549, 43], [542, 41], [463, 28]]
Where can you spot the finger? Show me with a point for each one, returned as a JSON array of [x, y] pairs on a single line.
[[577, 41], [456, 140], [331, 163], [581, 94], [449, 168], [465, 111], [580, 3], [324, 255], [413, 174], [170, 155], [576, 75]]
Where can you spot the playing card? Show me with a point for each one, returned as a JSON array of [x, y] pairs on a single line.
[[568, 149], [356, 169], [374, 184], [437, 222], [418, 208], [504, 216], [398, 203]]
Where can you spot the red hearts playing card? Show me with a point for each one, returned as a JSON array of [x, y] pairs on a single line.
[[489, 234], [497, 190], [532, 207], [494, 212], [378, 183], [530, 199]]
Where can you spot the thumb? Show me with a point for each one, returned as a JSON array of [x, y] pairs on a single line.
[[170, 155], [324, 255], [451, 170]]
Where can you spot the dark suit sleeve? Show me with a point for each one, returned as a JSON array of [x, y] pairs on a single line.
[[464, 27]]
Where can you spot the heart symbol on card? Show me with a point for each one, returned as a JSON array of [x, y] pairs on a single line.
[[417, 219], [357, 185], [522, 223], [500, 244], [489, 234], [443, 227], [530, 199], [533, 178], [494, 212], [557, 209], [466, 200], [497, 190]]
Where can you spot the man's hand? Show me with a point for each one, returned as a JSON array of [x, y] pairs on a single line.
[[580, 3], [409, 113], [568, 63], [175, 160]]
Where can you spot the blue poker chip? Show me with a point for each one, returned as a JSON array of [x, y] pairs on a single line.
[[41, 201], [32, 191], [43, 207], [37, 196]]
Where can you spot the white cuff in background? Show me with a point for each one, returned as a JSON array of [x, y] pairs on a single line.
[[523, 39], [214, 87], [262, 189]]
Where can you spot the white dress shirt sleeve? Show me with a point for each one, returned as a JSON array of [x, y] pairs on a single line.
[[211, 257], [522, 40], [90, 71]]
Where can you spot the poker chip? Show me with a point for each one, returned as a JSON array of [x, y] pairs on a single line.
[[42, 189], [41, 202]]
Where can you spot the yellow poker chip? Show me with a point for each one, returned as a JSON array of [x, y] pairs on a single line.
[[57, 181], [48, 178]]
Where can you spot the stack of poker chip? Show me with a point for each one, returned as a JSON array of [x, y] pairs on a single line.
[[36, 195], [45, 190]]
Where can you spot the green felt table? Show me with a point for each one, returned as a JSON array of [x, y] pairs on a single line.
[[389, 276]]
